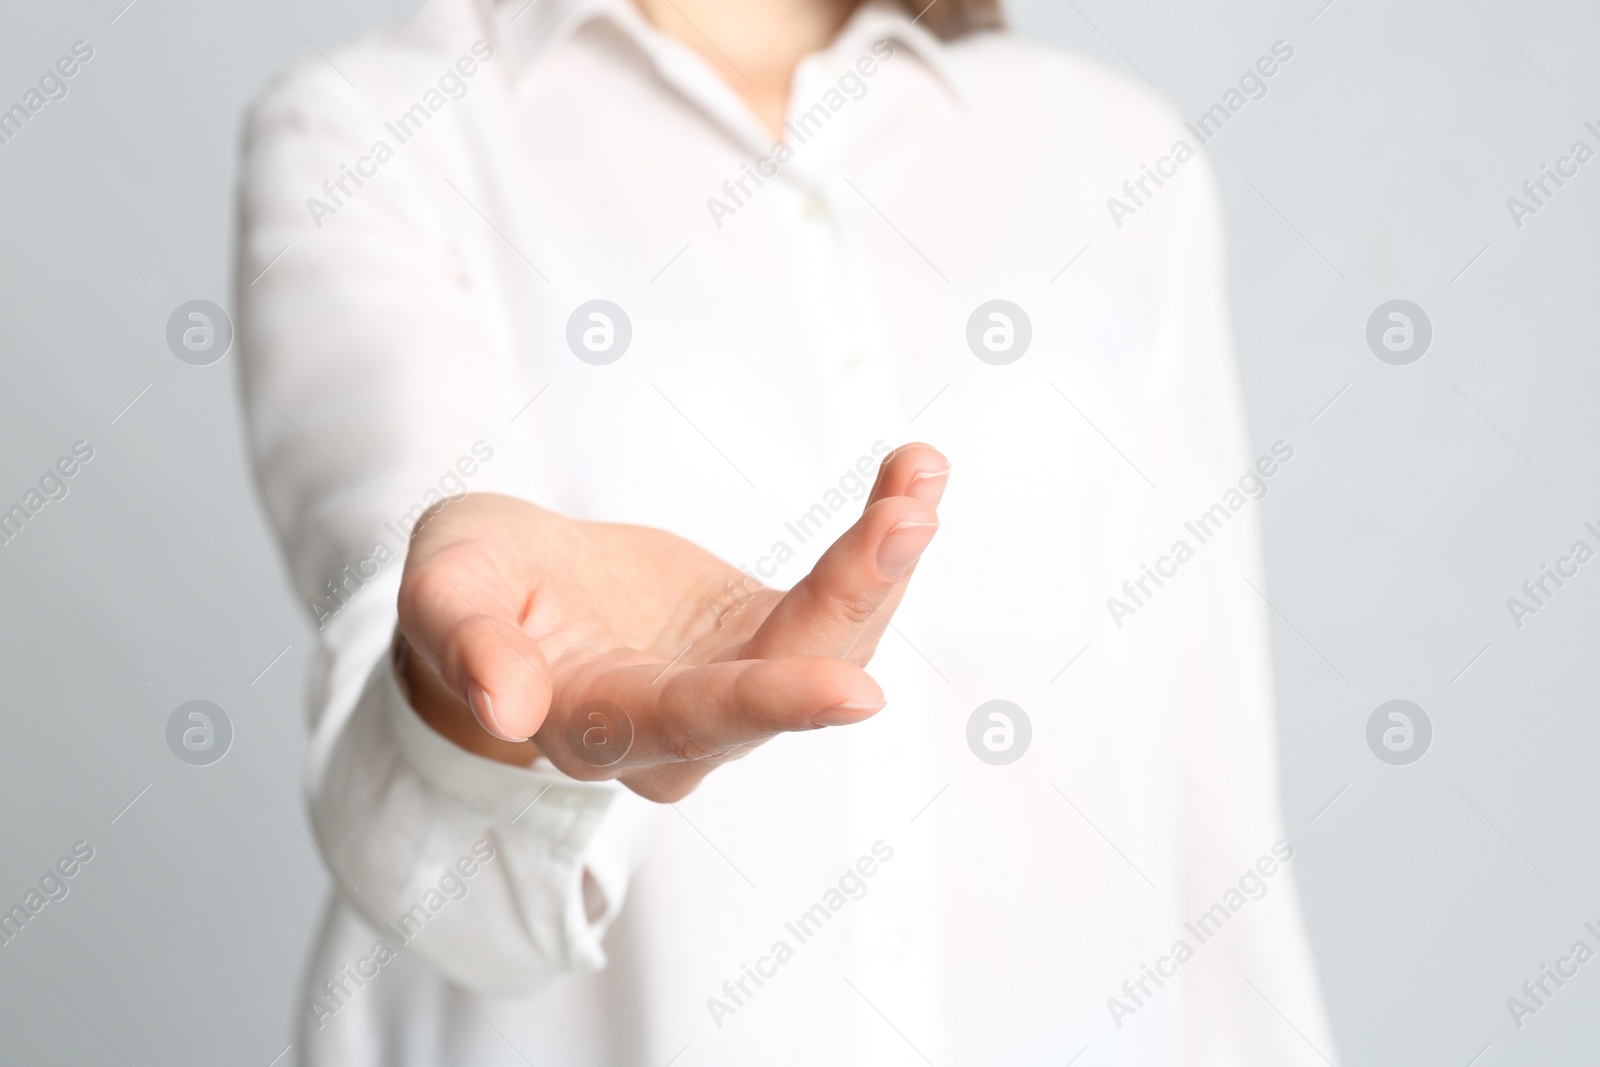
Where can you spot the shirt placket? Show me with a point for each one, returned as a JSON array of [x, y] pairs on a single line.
[[834, 292]]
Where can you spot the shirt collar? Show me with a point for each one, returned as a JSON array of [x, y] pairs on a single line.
[[878, 20], [524, 28]]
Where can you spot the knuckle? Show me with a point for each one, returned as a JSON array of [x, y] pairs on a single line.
[[851, 606], [836, 597], [420, 589], [470, 632], [686, 749], [426, 579]]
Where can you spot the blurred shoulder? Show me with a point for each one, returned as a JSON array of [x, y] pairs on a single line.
[[393, 67]]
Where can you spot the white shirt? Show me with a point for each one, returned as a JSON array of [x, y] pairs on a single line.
[[405, 336]]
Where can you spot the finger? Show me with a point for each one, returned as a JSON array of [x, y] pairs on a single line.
[[727, 705], [843, 606], [645, 715], [710, 716], [916, 470], [462, 615]]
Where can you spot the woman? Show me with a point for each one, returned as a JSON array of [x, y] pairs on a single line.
[[607, 294]]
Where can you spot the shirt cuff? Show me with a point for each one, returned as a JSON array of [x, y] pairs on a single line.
[[496, 789], [552, 828]]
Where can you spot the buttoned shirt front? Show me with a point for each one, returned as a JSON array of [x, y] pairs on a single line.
[[542, 249]]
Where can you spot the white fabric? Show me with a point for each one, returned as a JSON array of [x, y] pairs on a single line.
[[394, 336]]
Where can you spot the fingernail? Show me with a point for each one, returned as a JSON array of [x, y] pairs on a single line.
[[845, 714], [483, 708], [902, 545], [928, 486]]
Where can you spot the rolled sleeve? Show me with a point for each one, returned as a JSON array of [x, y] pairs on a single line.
[[374, 383], [402, 804]]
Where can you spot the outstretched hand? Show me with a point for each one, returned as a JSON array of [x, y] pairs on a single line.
[[626, 652]]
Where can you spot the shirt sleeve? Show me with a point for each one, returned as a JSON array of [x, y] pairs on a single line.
[[1252, 996], [373, 385]]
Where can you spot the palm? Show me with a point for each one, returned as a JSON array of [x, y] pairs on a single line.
[[644, 595], [628, 652]]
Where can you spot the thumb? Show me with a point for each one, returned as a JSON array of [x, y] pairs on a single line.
[[843, 606]]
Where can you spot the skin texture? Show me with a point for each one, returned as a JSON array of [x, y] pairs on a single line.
[[522, 623], [754, 45]]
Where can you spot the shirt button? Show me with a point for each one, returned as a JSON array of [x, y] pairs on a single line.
[[852, 364], [816, 208]]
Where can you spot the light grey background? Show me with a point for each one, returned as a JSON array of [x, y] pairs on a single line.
[[1377, 167]]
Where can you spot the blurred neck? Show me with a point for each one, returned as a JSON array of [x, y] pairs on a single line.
[[755, 45]]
